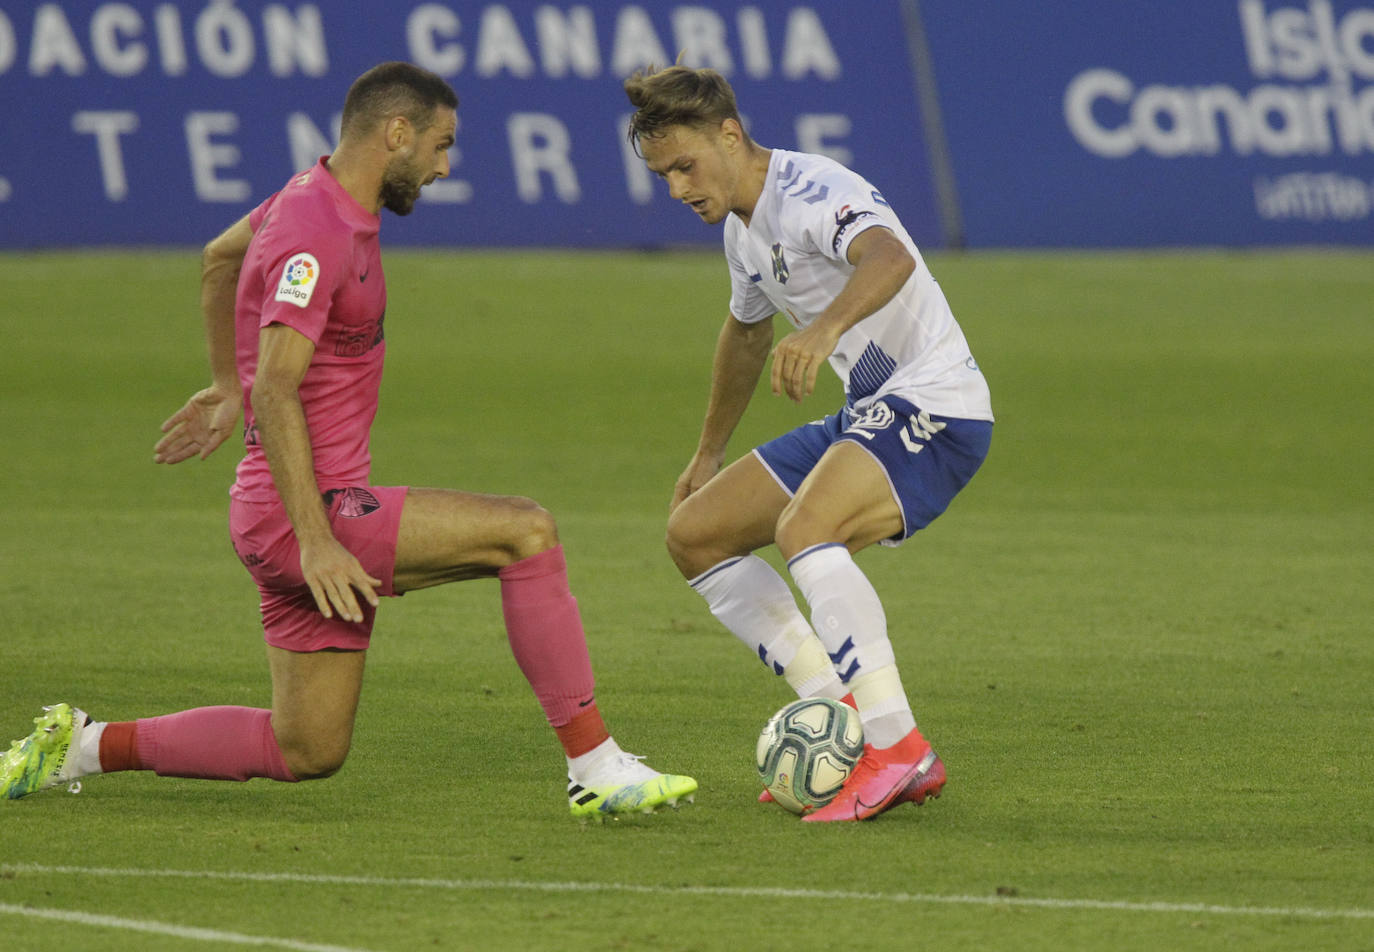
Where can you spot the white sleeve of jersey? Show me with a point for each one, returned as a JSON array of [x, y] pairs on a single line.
[[825, 207], [748, 303]]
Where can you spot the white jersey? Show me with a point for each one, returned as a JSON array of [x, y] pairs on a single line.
[[792, 257]]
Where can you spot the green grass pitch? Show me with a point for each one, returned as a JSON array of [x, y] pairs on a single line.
[[1142, 639]]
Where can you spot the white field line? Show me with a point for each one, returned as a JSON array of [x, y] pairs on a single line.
[[740, 892], [166, 928]]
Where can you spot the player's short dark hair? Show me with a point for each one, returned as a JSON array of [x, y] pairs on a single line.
[[678, 96], [395, 89]]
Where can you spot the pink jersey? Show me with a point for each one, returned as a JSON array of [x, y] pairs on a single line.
[[315, 265]]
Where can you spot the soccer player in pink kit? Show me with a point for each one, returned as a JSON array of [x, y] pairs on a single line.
[[294, 300]]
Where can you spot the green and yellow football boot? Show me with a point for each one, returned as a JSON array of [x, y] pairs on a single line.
[[620, 784], [36, 762]]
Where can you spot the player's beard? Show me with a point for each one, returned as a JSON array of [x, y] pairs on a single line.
[[401, 184]]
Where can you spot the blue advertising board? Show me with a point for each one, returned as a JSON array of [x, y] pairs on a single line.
[[1140, 122], [998, 123], [160, 122]]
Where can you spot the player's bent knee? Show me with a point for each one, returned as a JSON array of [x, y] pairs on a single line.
[[679, 554], [684, 542], [532, 529], [314, 768], [314, 761], [693, 546]]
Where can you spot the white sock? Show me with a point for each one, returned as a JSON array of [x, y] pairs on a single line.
[[579, 766], [883, 707], [849, 619], [88, 752], [753, 601]]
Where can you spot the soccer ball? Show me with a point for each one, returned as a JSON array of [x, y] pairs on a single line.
[[807, 750]]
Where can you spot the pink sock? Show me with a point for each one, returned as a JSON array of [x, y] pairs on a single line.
[[212, 743], [545, 632]]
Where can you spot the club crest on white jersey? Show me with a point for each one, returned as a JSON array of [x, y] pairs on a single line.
[[780, 270], [298, 279]]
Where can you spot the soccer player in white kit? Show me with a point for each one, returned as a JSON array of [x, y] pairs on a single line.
[[812, 240]]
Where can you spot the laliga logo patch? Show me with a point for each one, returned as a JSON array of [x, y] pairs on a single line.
[[298, 280]]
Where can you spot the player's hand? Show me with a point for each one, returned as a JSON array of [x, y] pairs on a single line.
[[697, 474], [334, 575], [798, 358], [199, 427]]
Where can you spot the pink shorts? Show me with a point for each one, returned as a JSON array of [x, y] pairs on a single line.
[[366, 520]]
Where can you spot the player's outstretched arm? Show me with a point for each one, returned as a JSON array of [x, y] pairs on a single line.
[[210, 416]]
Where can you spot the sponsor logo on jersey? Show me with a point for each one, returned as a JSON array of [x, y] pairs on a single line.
[[298, 280], [355, 340], [845, 217]]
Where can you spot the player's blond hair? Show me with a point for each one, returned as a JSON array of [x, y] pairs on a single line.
[[678, 96]]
